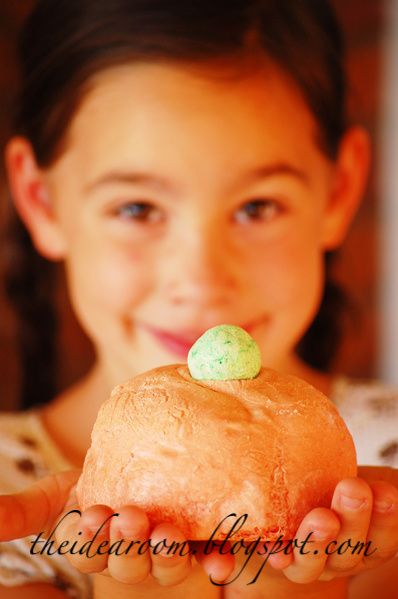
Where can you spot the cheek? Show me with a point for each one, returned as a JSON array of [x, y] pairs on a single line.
[[106, 282], [288, 273]]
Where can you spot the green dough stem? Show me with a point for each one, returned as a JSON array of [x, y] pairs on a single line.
[[224, 352]]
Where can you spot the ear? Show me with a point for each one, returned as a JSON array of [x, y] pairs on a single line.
[[32, 199], [350, 178]]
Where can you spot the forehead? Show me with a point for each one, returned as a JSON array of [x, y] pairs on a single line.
[[150, 111]]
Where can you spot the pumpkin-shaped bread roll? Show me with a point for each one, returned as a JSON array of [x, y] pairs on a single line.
[[191, 451]]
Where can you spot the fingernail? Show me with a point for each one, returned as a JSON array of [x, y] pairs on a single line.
[[169, 547], [353, 503], [385, 506], [131, 533], [131, 525], [321, 535], [90, 531]]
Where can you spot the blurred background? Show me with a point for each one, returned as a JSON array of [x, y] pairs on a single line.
[[365, 267]]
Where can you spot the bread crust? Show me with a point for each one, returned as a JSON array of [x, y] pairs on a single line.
[[192, 452]]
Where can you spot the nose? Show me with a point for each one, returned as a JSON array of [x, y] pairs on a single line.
[[202, 269]]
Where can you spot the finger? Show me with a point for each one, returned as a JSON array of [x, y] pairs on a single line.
[[383, 529], [88, 538], [284, 557], [36, 508], [95, 527], [171, 560], [129, 559], [352, 502], [317, 529], [218, 566], [377, 473]]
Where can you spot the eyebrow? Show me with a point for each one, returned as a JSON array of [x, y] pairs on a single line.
[[160, 182], [274, 170], [131, 177]]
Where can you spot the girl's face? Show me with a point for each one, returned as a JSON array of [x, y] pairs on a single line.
[[185, 201]]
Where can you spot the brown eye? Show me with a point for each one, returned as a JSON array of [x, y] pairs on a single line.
[[258, 210], [144, 212]]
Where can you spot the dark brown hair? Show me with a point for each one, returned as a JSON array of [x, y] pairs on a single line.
[[65, 42]]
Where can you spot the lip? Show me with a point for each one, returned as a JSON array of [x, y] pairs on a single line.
[[181, 342], [175, 344]]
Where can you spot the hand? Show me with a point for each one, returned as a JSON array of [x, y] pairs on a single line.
[[362, 510], [131, 527], [50, 504], [35, 509]]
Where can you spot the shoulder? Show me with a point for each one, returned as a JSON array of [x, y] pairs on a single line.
[[370, 411], [372, 392], [26, 454], [26, 451]]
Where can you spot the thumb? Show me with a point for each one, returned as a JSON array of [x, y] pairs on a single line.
[[34, 509]]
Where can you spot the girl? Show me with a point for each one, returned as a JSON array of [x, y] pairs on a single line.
[[189, 164]]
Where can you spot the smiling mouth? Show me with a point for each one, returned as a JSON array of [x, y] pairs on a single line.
[[181, 342]]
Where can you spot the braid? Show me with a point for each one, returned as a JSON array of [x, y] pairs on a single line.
[[29, 285]]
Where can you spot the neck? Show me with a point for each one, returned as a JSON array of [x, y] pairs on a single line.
[[76, 410], [320, 380]]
